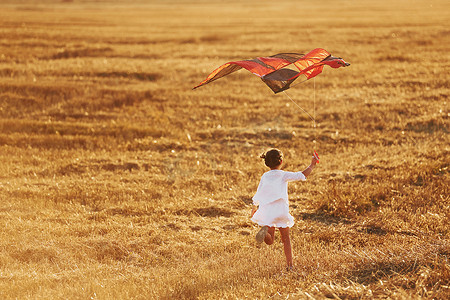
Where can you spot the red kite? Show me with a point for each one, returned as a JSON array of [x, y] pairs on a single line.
[[272, 70]]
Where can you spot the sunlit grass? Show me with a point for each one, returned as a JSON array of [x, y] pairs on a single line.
[[120, 181]]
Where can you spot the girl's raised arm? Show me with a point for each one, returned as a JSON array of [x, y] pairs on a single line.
[[309, 169]]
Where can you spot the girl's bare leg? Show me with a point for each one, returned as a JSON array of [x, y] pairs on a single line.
[[270, 236], [285, 238]]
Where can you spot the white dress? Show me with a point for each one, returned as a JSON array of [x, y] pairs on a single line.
[[272, 199]]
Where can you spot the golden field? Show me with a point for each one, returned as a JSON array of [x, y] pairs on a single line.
[[118, 181]]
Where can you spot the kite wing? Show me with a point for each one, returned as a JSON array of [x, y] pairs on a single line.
[[259, 66], [273, 69]]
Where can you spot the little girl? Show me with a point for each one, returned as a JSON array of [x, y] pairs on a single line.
[[270, 203]]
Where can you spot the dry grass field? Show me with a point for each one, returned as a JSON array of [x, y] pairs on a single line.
[[118, 181]]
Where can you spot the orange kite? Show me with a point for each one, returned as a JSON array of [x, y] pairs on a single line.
[[273, 69]]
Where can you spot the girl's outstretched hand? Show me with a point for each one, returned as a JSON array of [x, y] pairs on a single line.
[[309, 169], [316, 156]]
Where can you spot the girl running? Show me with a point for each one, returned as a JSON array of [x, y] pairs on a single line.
[[271, 204]]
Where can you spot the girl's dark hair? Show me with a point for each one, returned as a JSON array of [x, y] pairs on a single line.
[[272, 158]]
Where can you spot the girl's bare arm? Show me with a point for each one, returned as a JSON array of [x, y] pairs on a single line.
[[309, 169]]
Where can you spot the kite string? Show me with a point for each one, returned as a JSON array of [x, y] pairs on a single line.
[[314, 113], [311, 117]]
